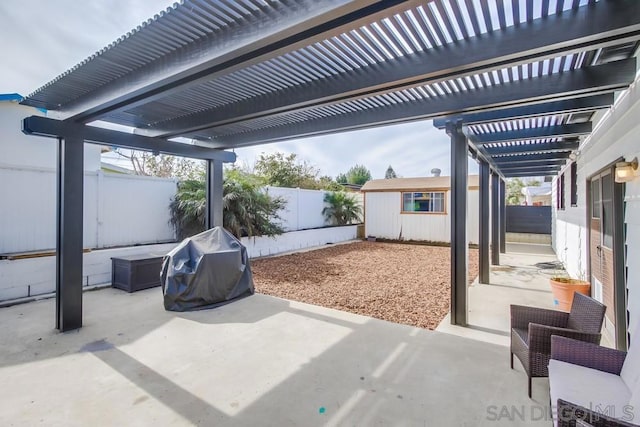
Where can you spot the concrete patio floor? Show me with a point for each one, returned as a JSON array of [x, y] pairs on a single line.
[[515, 281], [260, 361]]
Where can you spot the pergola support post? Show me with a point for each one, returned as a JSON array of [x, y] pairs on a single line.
[[459, 244], [503, 217], [214, 194], [69, 230], [495, 219], [483, 230]]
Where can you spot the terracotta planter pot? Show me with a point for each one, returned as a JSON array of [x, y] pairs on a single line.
[[563, 289]]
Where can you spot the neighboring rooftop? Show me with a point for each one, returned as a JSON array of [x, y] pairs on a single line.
[[11, 97], [417, 184]]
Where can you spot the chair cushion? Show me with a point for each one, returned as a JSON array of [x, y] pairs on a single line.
[[590, 388], [630, 372], [634, 403]]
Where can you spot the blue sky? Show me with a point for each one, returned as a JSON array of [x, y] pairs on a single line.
[[44, 38]]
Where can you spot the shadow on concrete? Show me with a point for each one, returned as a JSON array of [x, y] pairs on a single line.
[[523, 288], [289, 364], [161, 388]]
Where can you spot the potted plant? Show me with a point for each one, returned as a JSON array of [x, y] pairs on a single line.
[[563, 288]]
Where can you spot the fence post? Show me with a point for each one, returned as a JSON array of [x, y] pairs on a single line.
[[297, 208]]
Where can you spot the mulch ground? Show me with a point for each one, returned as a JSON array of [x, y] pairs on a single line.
[[401, 283]]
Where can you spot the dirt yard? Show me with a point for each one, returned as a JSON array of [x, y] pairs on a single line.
[[397, 282]]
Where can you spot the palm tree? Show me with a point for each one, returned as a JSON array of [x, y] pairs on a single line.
[[247, 210], [342, 208], [188, 208]]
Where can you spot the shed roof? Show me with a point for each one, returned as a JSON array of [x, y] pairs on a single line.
[[420, 183]]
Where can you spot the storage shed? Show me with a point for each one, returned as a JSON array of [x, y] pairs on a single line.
[[415, 208]]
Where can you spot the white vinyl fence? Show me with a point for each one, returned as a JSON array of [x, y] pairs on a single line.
[[304, 207], [119, 210], [129, 215]]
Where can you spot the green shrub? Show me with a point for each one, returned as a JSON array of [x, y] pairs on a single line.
[[247, 210]]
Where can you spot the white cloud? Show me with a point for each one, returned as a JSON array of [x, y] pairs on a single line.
[[43, 38], [412, 149]]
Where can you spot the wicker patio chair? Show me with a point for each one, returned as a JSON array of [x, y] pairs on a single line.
[[532, 328], [570, 414], [593, 357]]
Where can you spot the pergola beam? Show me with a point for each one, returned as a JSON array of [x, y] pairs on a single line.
[[515, 169], [597, 26], [69, 232], [557, 131], [589, 80], [503, 217], [550, 147], [495, 219], [459, 240], [47, 127], [565, 106], [484, 223], [535, 163], [528, 174], [547, 164], [518, 159], [214, 187], [530, 171]]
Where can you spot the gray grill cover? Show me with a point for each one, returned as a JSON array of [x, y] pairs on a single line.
[[205, 271]]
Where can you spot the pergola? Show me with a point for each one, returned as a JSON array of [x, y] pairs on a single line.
[[514, 82]]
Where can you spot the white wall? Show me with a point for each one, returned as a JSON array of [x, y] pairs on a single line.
[[296, 240], [133, 209], [19, 149], [304, 207], [118, 209], [384, 220], [616, 135], [36, 276]]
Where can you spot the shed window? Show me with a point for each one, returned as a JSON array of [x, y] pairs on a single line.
[[423, 202]]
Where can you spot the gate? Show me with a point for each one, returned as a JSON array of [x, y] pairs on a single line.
[[529, 219]]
